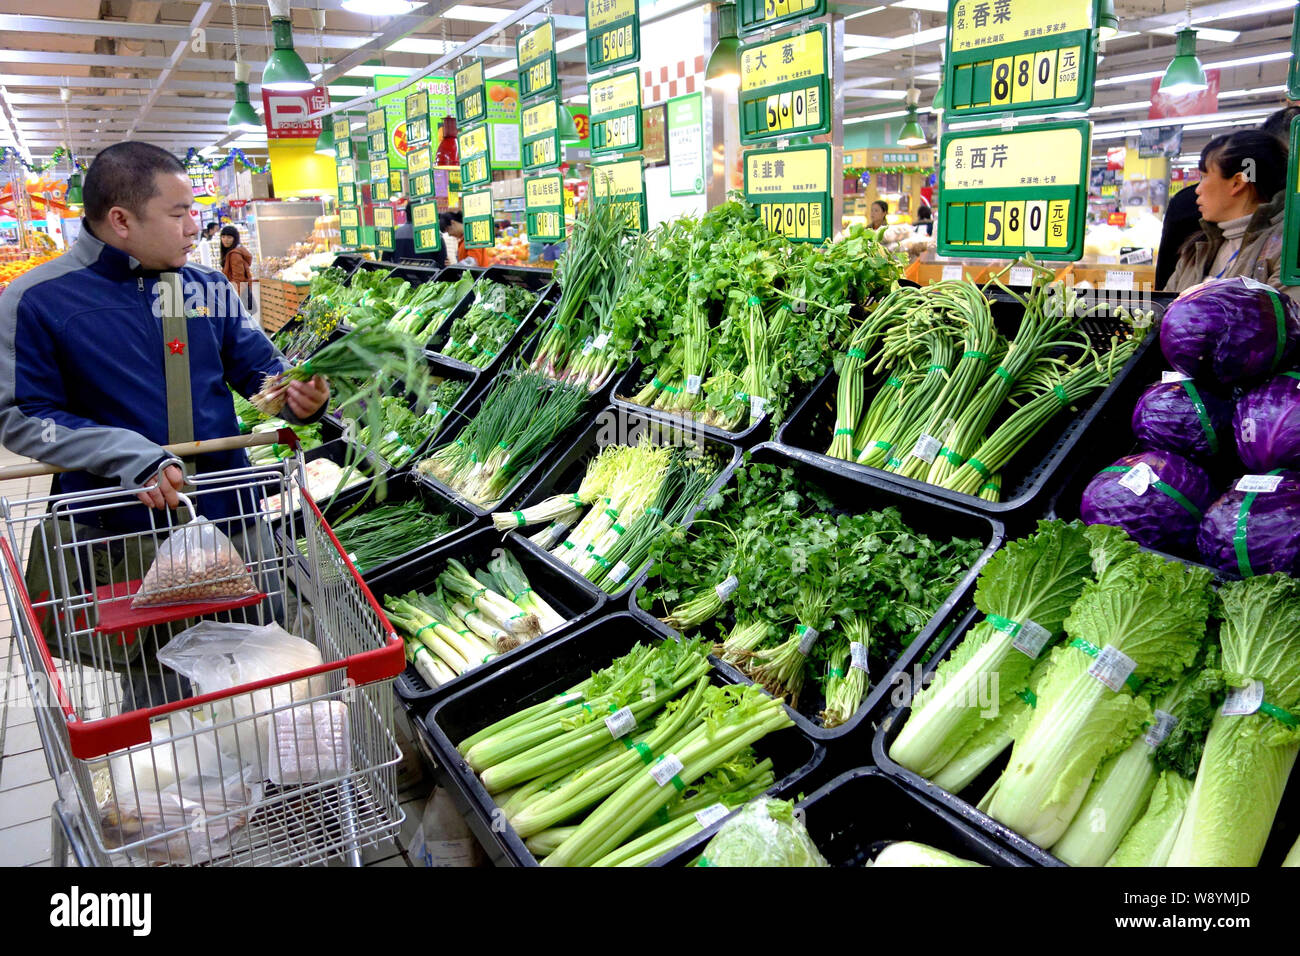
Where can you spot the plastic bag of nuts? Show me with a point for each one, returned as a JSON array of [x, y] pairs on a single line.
[[197, 564]]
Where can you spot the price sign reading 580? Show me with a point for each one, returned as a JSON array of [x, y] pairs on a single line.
[[785, 87], [613, 33]]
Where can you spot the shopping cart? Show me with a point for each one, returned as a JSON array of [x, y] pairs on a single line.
[[295, 768]]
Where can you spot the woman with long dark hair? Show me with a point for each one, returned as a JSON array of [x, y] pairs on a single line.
[[237, 264]]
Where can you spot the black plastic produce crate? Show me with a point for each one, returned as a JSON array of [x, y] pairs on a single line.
[[538, 281], [618, 427], [860, 812], [1036, 471], [533, 678], [474, 548], [923, 514]]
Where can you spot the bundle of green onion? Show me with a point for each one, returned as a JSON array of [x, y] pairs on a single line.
[[469, 619], [514, 426], [630, 496], [388, 531], [630, 762], [478, 336]]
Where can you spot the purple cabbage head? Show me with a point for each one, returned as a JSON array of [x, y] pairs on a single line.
[[1272, 528], [1153, 518], [1166, 419], [1227, 331], [1267, 424]]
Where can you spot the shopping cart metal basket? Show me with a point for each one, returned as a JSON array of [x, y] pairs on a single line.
[[290, 768]]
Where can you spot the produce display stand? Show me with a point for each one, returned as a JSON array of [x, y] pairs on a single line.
[[852, 494], [280, 302], [533, 678]]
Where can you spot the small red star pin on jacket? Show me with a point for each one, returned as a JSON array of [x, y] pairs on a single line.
[[177, 347]]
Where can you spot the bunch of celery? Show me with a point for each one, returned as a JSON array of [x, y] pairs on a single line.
[[630, 496], [469, 619], [629, 762], [514, 426], [478, 336]]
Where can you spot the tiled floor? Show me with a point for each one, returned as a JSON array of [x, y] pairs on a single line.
[[27, 792]]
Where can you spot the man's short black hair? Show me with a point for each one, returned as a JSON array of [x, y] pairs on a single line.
[[1279, 123], [124, 175]]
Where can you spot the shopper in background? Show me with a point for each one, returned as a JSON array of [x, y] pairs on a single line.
[[209, 230], [237, 264], [1241, 198], [1183, 218], [879, 210], [404, 246], [924, 222], [452, 225]]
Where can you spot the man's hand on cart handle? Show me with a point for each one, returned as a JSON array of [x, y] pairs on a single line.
[[162, 488], [306, 398]]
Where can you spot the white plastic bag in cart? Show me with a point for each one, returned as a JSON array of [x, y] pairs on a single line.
[[197, 563], [309, 744], [217, 656]]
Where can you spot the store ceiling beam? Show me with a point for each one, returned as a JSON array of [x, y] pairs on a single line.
[[159, 63], [198, 22], [24, 102], [13, 127], [107, 83], [421, 18]]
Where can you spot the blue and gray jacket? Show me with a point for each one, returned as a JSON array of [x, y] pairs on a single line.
[[82, 383]]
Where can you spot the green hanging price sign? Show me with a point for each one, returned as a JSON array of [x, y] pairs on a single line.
[[377, 132], [1004, 194], [419, 170], [395, 181], [475, 160], [785, 87], [342, 129], [791, 189], [765, 14], [471, 107], [615, 108], [613, 33], [350, 226], [417, 119], [480, 225], [540, 126], [1293, 75], [347, 194], [1291, 237], [621, 184], [383, 216], [1019, 56], [544, 207], [424, 226], [379, 191], [378, 169], [535, 54]]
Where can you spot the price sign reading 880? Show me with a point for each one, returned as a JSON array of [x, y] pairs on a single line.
[[785, 87], [621, 184], [470, 104], [1005, 194], [540, 125], [615, 105], [1019, 56], [613, 33], [544, 205], [535, 54], [474, 159], [476, 207], [791, 188]]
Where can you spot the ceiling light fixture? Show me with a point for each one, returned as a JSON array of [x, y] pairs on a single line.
[[285, 70], [723, 71]]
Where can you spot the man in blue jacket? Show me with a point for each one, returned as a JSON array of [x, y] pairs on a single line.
[[84, 369]]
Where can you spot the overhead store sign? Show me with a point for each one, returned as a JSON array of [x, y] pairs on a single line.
[[384, 227], [764, 14], [544, 207], [471, 107], [791, 189], [424, 226], [785, 87], [535, 54], [540, 124], [350, 226], [1291, 237], [286, 112], [475, 166], [342, 139], [419, 167], [1007, 193], [480, 225], [621, 184], [377, 132], [615, 104], [417, 120], [1019, 56], [613, 33]]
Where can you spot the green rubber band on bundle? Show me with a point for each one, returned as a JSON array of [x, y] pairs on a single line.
[[1280, 715], [990, 485], [477, 594], [655, 383], [601, 561], [619, 529], [513, 320], [843, 431], [567, 544], [1003, 624], [857, 354], [1280, 315], [1194, 394], [612, 512], [704, 861], [741, 397], [486, 658], [883, 445], [425, 628], [787, 306], [894, 381], [587, 709], [1092, 650], [695, 275], [936, 368], [980, 467], [676, 781], [488, 353], [655, 512], [503, 445], [755, 300], [894, 463], [1028, 696], [515, 599], [461, 443], [575, 500], [519, 517], [1002, 374], [835, 672], [952, 456], [1167, 490], [672, 390], [464, 633], [569, 703], [452, 343], [647, 755], [1240, 538], [307, 366], [1295, 375], [1061, 397], [976, 355]]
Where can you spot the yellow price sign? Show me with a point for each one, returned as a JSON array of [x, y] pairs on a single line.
[[604, 12], [342, 130], [536, 43], [622, 132], [346, 173], [790, 171], [476, 170], [622, 178], [1045, 156], [383, 217], [424, 214], [539, 119], [349, 217], [615, 94], [379, 191], [794, 109], [548, 224], [541, 153], [376, 121], [473, 142], [543, 191], [422, 184], [417, 105], [480, 232], [378, 170], [783, 61], [980, 23], [803, 220], [477, 205], [469, 79], [420, 160]]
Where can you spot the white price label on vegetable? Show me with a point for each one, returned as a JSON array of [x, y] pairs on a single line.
[[1022, 275], [472, 339], [556, 533], [1139, 478], [433, 409], [1167, 377], [807, 638], [951, 273], [601, 341], [693, 383], [1121, 279], [711, 815], [1158, 732], [727, 588], [858, 656], [619, 572], [757, 406], [1259, 483], [669, 766], [1030, 639], [1112, 667], [1243, 701], [392, 436], [621, 723], [587, 346], [927, 447]]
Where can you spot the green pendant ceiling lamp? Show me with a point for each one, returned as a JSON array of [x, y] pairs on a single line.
[[723, 71], [285, 70], [1107, 21], [568, 128], [73, 196], [911, 134], [242, 115], [1185, 73]]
